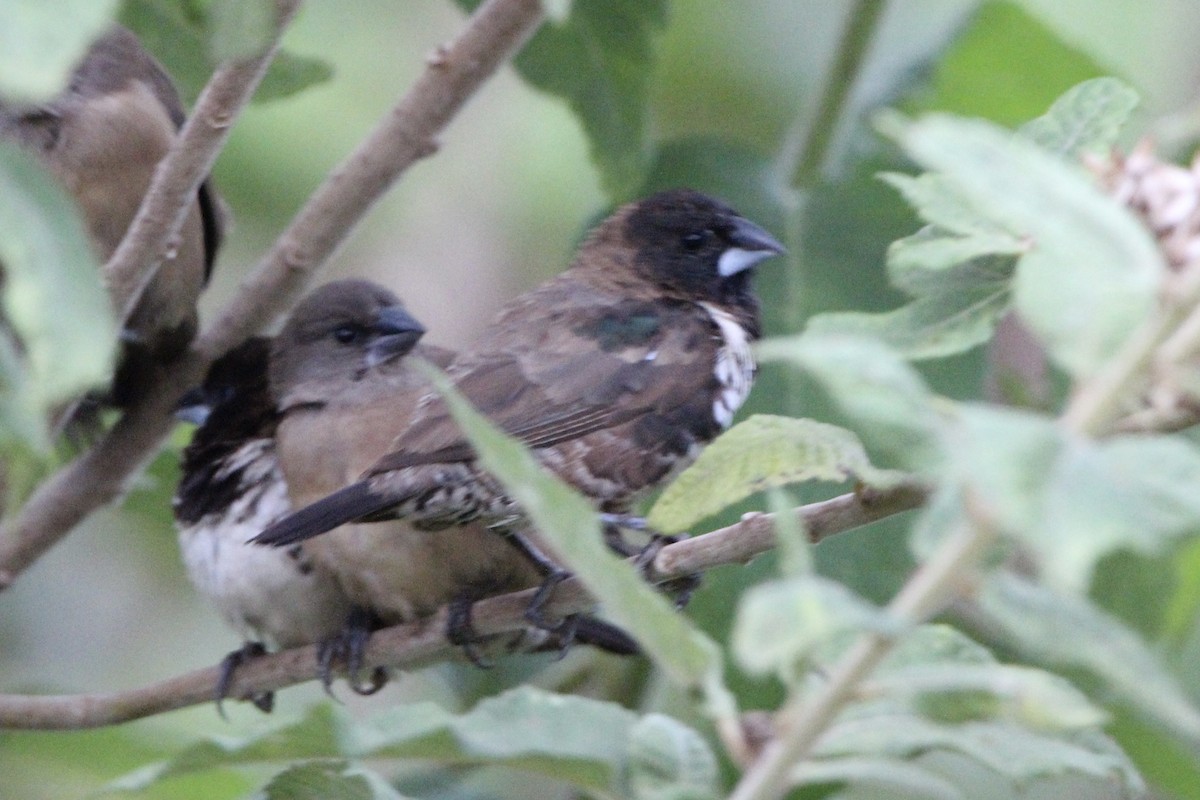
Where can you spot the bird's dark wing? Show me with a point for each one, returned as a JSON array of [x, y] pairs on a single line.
[[614, 365]]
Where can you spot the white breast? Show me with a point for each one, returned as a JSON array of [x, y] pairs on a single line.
[[734, 369], [265, 593]]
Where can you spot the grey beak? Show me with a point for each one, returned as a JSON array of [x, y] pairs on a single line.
[[193, 407], [397, 333], [751, 244]]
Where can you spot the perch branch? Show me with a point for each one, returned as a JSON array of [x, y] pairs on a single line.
[[415, 645]]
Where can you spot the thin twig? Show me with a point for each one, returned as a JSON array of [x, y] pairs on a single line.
[[415, 645], [189, 161], [458, 70], [755, 533]]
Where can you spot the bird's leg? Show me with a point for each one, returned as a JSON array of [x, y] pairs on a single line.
[[348, 647], [678, 589], [460, 631], [263, 701], [562, 630]]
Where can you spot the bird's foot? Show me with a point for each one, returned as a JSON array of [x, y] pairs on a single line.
[[561, 631], [460, 632], [348, 648], [263, 701], [679, 589]]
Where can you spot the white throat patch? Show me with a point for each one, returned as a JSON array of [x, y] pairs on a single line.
[[734, 368]]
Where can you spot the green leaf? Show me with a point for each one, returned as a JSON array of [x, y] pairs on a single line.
[[980, 273], [938, 250], [891, 408], [890, 776], [23, 428], [935, 644], [1015, 752], [571, 738], [947, 322], [597, 745], [240, 28], [1006, 457], [52, 292], [1092, 271], [290, 74], [1087, 119], [794, 551], [1070, 500], [1128, 492], [941, 203], [763, 452], [319, 780], [782, 624], [177, 38], [600, 61], [319, 734], [182, 42], [952, 692], [1065, 630], [941, 692], [569, 524], [40, 43], [980, 77], [670, 761]]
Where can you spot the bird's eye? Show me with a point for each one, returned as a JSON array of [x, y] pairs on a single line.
[[345, 333], [694, 241]]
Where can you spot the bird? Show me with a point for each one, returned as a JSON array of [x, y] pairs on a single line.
[[102, 138], [231, 485], [341, 396], [615, 373]]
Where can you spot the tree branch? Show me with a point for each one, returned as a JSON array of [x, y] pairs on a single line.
[[755, 533], [408, 133], [415, 645], [189, 161]]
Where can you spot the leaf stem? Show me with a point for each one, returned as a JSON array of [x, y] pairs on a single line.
[[1161, 342], [804, 718], [807, 149]]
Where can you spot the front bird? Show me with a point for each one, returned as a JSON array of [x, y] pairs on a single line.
[[343, 383], [615, 374]]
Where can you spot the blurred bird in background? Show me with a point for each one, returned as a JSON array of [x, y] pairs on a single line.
[[102, 138]]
